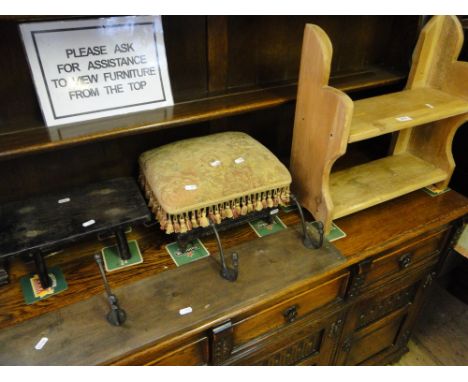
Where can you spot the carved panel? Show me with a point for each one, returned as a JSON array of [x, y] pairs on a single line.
[[294, 353], [386, 305]]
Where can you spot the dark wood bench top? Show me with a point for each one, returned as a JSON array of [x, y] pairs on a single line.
[[153, 292]]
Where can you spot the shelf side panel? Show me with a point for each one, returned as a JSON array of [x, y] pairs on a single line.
[[433, 143], [436, 54], [321, 126], [436, 66]]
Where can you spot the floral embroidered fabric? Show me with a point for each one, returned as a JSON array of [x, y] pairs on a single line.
[[215, 177]]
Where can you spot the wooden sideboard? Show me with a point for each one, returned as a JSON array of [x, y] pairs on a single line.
[[288, 306], [227, 73]]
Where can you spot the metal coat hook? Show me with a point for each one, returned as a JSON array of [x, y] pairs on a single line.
[[117, 315], [227, 273], [308, 241]]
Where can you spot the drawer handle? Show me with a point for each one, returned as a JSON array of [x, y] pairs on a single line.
[[290, 314], [405, 261]]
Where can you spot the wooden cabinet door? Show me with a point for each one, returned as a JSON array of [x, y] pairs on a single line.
[[306, 342], [377, 328], [313, 345], [297, 329]]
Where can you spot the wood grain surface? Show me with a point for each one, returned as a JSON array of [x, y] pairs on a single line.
[[366, 236], [263, 276], [360, 187]]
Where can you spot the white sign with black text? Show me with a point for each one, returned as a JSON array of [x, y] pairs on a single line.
[[87, 69]]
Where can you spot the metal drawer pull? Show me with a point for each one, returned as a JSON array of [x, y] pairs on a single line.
[[290, 314], [405, 261]]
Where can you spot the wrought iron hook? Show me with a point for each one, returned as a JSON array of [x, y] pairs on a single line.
[[227, 273], [308, 241], [117, 315]]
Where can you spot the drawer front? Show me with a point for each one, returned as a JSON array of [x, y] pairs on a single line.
[[405, 258], [288, 311], [192, 354]]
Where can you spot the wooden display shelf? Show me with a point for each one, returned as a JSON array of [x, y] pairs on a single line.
[[363, 186], [396, 111], [424, 118], [27, 137]]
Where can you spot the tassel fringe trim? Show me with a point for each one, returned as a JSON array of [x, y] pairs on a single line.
[[232, 209]]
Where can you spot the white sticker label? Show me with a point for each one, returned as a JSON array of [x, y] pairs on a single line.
[[190, 187], [275, 211], [88, 223], [185, 311], [64, 200], [429, 106], [41, 343], [215, 163], [239, 160], [404, 118]]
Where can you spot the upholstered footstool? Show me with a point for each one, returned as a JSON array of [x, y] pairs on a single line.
[[193, 182], [201, 185]]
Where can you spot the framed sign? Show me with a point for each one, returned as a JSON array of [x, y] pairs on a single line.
[[87, 69]]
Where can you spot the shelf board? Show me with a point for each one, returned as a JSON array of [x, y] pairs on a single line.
[[379, 115], [366, 185], [28, 137]]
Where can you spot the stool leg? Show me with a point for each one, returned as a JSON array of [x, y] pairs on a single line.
[[41, 269], [122, 244]]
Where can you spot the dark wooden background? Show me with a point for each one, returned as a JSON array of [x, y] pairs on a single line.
[[207, 56]]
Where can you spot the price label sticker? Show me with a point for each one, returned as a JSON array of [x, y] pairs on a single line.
[[191, 187], [404, 119], [89, 223], [41, 343], [185, 311]]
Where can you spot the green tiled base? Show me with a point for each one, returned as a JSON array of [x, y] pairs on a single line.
[[32, 295], [195, 251], [291, 207], [334, 234], [107, 236], [262, 228], [112, 260]]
